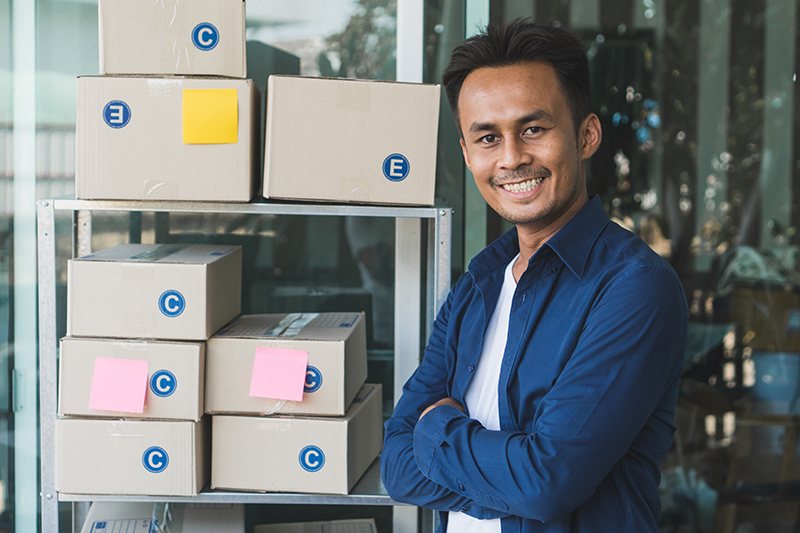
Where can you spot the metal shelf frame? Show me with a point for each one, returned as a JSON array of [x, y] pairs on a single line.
[[417, 230]]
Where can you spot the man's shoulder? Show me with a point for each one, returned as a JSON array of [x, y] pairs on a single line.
[[621, 251]]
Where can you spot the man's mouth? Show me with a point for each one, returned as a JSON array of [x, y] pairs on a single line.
[[525, 186]]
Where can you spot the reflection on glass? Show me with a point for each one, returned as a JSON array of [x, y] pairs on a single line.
[[701, 158]]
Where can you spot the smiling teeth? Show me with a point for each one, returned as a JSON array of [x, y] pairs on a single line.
[[525, 186]]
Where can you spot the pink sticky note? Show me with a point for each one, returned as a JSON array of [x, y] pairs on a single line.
[[279, 374], [119, 385]]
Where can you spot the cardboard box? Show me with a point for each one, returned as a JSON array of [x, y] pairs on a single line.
[[142, 457], [118, 517], [154, 291], [168, 37], [356, 525], [337, 362], [130, 135], [175, 385], [300, 454], [380, 140]]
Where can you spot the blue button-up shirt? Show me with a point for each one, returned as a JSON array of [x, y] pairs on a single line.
[[587, 391]]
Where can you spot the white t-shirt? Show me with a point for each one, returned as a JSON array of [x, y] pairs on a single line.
[[481, 396]]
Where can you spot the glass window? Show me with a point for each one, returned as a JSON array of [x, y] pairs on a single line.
[[700, 157]]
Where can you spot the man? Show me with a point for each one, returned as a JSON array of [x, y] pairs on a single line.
[[545, 399]]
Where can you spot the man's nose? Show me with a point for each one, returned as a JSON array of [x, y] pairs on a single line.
[[514, 154]]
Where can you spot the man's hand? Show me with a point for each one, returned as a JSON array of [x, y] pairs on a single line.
[[444, 401]]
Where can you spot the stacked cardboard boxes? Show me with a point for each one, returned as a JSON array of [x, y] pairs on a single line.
[[171, 117], [287, 392], [132, 368]]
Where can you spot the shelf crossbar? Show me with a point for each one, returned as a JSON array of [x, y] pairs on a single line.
[[252, 208]]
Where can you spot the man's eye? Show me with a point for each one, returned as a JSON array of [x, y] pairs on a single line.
[[533, 129], [487, 139]]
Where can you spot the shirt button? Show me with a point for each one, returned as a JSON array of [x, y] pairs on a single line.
[[472, 368], [461, 487], [554, 270]]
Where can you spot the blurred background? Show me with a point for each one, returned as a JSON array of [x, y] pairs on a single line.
[[700, 157]]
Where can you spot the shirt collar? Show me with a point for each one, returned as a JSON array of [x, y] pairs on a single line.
[[572, 243], [575, 240]]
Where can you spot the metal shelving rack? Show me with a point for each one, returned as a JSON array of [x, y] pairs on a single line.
[[418, 231]]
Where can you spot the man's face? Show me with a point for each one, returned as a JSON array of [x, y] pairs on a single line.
[[520, 143]]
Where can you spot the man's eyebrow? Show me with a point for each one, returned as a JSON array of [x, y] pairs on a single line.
[[530, 117]]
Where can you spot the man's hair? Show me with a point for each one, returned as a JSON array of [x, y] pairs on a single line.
[[518, 42]]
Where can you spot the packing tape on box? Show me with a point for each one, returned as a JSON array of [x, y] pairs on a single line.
[[275, 407], [355, 188], [291, 324], [161, 189], [118, 429]]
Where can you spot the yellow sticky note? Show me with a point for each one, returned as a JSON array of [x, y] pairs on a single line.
[[210, 116]]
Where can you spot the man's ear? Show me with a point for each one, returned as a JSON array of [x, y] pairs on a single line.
[[466, 154], [589, 136]]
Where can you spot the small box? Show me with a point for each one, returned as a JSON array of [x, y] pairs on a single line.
[[354, 525], [112, 517], [380, 141], [142, 457], [168, 37], [175, 384], [300, 454], [140, 138], [337, 362], [154, 291]]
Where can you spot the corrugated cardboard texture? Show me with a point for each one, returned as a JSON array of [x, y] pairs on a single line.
[[337, 359], [179, 398], [148, 37], [108, 457], [365, 122], [275, 448], [146, 159], [120, 298]]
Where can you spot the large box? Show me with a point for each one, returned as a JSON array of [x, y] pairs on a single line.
[[140, 138], [142, 457], [353, 525], [176, 375], [198, 37], [143, 517], [154, 291], [300, 454], [337, 362], [380, 140]]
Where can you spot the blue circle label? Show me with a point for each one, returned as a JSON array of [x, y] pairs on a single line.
[[205, 36], [155, 459], [117, 114], [312, 459], [313, 379], [396, 167], [163, 383], [171, 303]]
